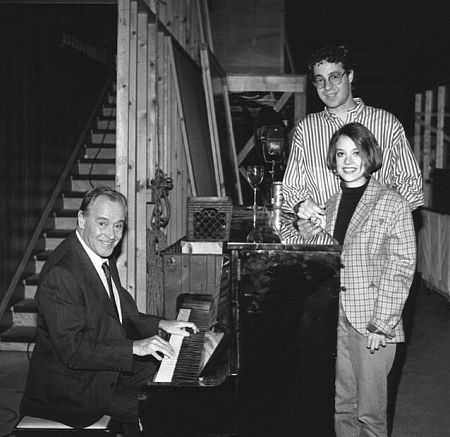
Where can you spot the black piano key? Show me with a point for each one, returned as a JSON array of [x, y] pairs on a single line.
[[187, 367]]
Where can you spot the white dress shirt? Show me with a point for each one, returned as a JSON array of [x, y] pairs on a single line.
[[98, 262]]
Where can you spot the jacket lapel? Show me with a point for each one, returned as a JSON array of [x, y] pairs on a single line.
[[363, 209], [92, 282], [360, 214], [331, 214]]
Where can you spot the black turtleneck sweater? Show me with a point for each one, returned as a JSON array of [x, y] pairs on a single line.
[[349, 200]]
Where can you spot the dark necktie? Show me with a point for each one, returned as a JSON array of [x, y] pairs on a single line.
[[105, 268]]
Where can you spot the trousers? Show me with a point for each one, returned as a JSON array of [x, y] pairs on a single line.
[[124, 407], [361, 384]]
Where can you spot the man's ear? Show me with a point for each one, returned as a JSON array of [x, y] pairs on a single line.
[[350, 76], [81, 219]]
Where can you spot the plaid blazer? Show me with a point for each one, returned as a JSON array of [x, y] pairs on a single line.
[[378, 259]]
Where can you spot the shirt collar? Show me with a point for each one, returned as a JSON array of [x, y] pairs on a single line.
[[355, 110], [96, 260]]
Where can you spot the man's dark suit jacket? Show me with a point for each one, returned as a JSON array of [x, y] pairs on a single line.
[[81, 346]]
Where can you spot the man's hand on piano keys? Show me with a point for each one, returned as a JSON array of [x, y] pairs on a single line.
[[178, 327], [154, 346]]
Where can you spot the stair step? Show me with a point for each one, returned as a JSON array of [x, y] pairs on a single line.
[[103, 152], [33, 265], [18, 338], [87, 182], [96, 167], [31, 280], [25, 291], [54, 233], [58, 223], [106, 123], [103, 137], [24, 313], [101, 178], [43, 244], [64, 202], [109, 111], [24, 319], [25, 306], [64, 213], [73, 194], [111, 98]]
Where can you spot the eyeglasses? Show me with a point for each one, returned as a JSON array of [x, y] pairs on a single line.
[[334, 78]]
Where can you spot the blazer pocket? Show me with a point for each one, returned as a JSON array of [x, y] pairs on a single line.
[[372, 224]]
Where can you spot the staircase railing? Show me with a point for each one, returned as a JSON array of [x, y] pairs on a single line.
[[58, 187]]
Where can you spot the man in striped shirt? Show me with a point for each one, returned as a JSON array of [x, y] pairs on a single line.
[[307, 182]]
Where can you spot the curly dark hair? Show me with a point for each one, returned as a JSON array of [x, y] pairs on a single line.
[[333, 54]]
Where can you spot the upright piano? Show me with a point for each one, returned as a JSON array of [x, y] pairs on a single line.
[[272, 373]]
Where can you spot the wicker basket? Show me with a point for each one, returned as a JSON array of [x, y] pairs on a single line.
[[209, 218]]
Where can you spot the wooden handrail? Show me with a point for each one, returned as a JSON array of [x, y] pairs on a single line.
[[51, 202]]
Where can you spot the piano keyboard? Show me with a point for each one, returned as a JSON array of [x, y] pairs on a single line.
[[185, 366]]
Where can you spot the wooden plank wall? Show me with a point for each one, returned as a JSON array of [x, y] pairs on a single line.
[[149, 134], [151, 129], [432, 134]]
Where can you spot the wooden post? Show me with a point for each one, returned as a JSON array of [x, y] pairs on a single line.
[[441, 149], [418, 128], [123, 80], [131, 167], [142, 152], [181, 115], [427, 147], [214, 136]]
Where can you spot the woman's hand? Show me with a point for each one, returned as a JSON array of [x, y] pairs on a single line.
[[374, 341]]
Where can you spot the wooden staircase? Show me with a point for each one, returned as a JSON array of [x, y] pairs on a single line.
[[94, 167]]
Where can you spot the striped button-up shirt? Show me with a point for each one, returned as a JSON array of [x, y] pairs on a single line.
[[307, 174]]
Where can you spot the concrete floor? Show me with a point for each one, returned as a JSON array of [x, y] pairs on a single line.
[[423, 396], [13, 372]]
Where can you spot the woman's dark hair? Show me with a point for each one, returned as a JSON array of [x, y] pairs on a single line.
[[332, 54], [365, 141], [107, 192]]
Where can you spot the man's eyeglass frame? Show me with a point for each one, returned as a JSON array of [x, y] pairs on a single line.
[[334, 78]]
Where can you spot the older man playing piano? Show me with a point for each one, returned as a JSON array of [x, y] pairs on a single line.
[[93, 349]]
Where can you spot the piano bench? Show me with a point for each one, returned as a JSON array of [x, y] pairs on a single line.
[[35, 426]]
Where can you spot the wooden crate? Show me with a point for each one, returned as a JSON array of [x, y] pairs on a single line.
[[209, 218]]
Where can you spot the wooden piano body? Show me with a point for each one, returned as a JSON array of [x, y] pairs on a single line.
[[274, 374]]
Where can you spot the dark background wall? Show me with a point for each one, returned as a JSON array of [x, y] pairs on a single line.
[[46, 92], [400, 46], [46, 88]]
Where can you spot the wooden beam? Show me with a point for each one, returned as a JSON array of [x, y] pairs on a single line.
[[441, 149], [131, 164], [62, 2], [181, 115], [213, 133], [418, 128], [122, 116], [427, 148], [142, 153], [240, 83]]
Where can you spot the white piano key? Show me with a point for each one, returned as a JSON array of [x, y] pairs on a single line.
[[167, 367]]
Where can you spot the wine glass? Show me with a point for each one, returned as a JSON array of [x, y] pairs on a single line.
[[255, 175]]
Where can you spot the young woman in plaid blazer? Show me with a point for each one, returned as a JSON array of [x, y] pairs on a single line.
[[375, 227]]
